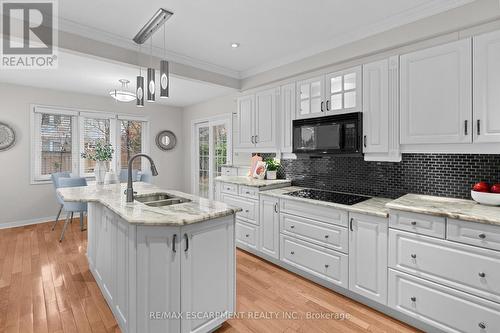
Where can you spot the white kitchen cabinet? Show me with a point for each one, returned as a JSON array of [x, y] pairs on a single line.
[[245, 122], [487, 87], [287, 115], [265, 119], [310, 97], [343, 91], [368, 256], [269, 226], [436, 95]]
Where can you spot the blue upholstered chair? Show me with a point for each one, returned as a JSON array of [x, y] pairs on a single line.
[[146, 177], [55, 181], [72, 207]]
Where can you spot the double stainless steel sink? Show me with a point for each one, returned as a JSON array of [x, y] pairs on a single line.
[[160, 199]]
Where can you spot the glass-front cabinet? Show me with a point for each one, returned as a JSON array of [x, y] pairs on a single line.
[[334, 93]]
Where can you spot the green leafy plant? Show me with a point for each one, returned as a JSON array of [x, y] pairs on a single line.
[[273, 164], [101, 152]]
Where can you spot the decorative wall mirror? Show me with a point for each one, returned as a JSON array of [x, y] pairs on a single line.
[[7, 136], [166, 140]]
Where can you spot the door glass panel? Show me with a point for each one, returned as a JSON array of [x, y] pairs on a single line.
[[316, 104], [304, 91], [315, 89], [336, 84], [220, 149], [350, 99], [304, 107], [203, 158], [336, 102], [350, 81]]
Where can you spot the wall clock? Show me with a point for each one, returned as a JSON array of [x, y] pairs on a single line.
[[7, 136], [166, 140]]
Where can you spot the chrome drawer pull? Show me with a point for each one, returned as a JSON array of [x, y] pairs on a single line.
[[414, 256], [413, 299], [292, 226], [413, 223], [292, 252], [246, 210], [247, 192], [482, 274], [482, 236], [247, 235], [482, 326], [326, 266], [326, 236]]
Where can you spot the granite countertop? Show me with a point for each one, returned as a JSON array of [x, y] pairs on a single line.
[[252, 182], [112, 196], [461, 209], [372, 206]]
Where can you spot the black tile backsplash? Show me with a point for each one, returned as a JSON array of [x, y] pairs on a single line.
[[450, 175]]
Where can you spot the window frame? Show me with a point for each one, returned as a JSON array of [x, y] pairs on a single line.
[[77, 121]]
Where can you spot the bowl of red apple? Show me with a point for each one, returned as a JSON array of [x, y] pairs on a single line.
[[485, 194]]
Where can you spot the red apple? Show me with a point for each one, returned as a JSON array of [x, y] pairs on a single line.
[[481, 187], [495, 188]]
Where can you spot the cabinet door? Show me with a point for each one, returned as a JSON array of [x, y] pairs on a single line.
[[208, 272], [104, 253], [158, 277], [245, 122], [376, 107], [265, 119], [487, 87], [368, 256], [310, 97], [287, 115], [343, 91], [436, 94], [269, 226]]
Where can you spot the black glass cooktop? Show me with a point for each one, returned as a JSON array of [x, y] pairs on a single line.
[[336, 197]]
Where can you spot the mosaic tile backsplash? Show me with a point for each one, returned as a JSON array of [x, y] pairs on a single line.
[[450, 175]]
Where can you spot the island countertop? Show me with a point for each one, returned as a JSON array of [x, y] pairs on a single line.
[[263, 184], [113, 197]]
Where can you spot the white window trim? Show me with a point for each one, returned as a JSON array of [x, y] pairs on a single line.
[[77, 139]]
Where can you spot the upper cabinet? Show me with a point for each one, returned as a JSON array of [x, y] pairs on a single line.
[[487, 87], [256, 120], [334, 93], [436, 94], [286, 116]]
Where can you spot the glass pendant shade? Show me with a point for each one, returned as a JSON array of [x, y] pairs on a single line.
[[151, 85], [140, 91], [164, 79], [123, 94]]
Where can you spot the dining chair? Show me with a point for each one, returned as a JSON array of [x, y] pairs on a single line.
[[55, 182], [72, 207]]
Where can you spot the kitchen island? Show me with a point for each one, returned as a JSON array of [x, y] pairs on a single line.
[[165, 262]]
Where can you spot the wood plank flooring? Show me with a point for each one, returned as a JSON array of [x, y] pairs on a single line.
[[46, 286]]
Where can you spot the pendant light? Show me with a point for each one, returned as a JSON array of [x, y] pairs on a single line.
[[139, 90], [164, 73], [151, 76], [123, 94]]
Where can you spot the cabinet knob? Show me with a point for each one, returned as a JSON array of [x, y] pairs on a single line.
[[246, 210], [292, 227], [326, 236], [414, 256], [247, 235], [482, 325], [292, 252], [413, 223], [247, 192], [413, 299], [326, 266], [482, 236], [482, 274]]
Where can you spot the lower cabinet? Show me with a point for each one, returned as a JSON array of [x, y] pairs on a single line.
[[247, 234], [269, 226], [368, 256]]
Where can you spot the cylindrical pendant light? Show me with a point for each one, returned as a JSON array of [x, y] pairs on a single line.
[[140, 91], [151, 77], [164, 73]]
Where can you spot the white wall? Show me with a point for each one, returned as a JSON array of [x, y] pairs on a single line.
[[21, 202]]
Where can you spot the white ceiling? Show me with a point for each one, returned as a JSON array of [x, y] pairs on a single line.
[[271, 32], [83, 74]]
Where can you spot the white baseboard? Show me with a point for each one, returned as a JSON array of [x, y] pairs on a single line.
[[25, 222]]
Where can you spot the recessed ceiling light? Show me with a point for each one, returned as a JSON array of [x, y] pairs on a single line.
[[235, 45]]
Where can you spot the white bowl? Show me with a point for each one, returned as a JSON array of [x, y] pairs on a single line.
[[485, 198]]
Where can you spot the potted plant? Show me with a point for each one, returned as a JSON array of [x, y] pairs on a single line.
[[272, 166], [101, 153]]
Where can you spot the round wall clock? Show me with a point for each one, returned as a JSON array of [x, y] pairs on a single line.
[[7, 136], [166, 140]]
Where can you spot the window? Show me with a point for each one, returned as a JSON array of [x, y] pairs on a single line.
[[59, 136], [345, 90]]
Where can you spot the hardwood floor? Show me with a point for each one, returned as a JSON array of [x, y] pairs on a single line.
[[46, 286]]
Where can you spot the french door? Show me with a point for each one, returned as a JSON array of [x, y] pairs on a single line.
[[212, 139]]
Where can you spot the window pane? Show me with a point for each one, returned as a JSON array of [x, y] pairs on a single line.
[[350, 81], [56, 143], [203, 148], [220, 148], [336, 84], [131, 143], [337, 102], [316, 104], [94, 130], [304, 91], [350, 99], [316, 89]]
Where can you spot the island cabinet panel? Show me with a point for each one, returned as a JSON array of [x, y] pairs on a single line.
[[104, 253], [207, 274], [158, 278]]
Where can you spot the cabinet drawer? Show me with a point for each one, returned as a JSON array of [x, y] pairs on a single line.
[[329, 265], [247, 234], [316, 212], [328, 235], [229, 188], [478, 234], [229, 171], [250, 208], [445, 308], [249, 192], [467, 268], [418, 223]]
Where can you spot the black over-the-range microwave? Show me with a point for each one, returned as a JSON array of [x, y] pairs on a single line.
[[337, 134]]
